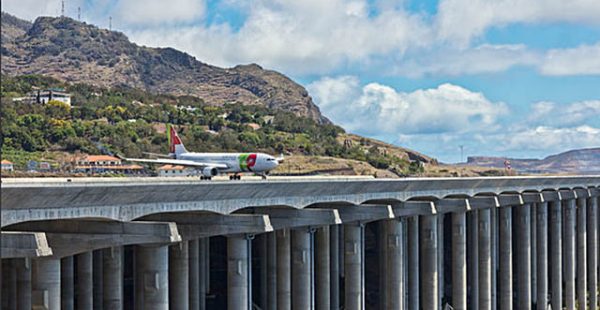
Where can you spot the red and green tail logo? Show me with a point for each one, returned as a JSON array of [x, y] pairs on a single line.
[[247, 161]]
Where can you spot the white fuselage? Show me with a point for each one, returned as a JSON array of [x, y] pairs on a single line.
[[236, 162]]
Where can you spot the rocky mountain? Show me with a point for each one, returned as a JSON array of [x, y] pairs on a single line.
[[583, 161], [77, 52]]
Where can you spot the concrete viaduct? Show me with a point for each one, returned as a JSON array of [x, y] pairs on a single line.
[[470, 243]]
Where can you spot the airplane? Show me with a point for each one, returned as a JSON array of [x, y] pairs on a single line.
[[213, 164]]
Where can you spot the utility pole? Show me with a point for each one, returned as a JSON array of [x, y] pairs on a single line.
[[79, 13], [461, 153], [110, 23], [62, 9]]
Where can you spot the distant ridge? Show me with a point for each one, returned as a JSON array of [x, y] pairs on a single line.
[[76, 52], [584, 161]]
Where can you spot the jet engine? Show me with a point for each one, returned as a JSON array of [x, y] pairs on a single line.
[[209, 172]]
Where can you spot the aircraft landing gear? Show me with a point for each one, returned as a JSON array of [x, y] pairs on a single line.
[[205, 178], [235, 177]]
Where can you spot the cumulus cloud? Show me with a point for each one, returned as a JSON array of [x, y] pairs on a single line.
[[573, 114], [158, 12], [459, 21], [380, 109], [582, 60], [550, 139]]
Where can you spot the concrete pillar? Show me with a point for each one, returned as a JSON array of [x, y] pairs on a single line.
[[152, 277], [193, 274], [429, 265], [239, 277], [382, 262], [334, 253], [413, 263], [322, 269], [85, 280], [394, 268], [9, 284], [67, 282], [440, 258], [45, 283], [353, 261], [112, 268], [523, 256], [302, 293], [485, 260], [459, 261], [284, 283], [494, 252], [555, 261], [581, 253], [569, 252], [473, 258], [178, 276], [533, 254], [505, 272], [261, 244], [23, 278], [97, 277], [592, 251], [542, 255], [204, 270], [271, 271]]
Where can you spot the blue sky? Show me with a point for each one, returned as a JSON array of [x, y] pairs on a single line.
[[517, 78]]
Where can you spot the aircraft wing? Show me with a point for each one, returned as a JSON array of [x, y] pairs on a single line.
[[177, 162]]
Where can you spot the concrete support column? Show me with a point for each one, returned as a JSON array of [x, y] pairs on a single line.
[[569, 252], [178, 276], [239, 272], [334, 252], [412, 273], [271, 271], [9, 284], [581, 253], [284, 283], [382, 262], [592, 251], [204, 271], [556, 254], [394, 268], [261, 244], [473, 258], [542, 255], [354, 266], [459, 261], [23, 269], [98, 280], [152, 277], [440, 258], [302, 271], [85, 280], [193, 274], [485, 259], [67, 282], [428, 236], [45, 283], [494, 252], [322, 269], [505, 272], [523, 256], [533, 254], [112, 268]]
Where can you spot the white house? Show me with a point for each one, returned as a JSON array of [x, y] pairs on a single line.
[[175, 171], [7, 165]]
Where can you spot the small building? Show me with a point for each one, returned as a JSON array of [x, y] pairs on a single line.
[[105, 164], [7, 165], [175, 171], [45, 95], [254, 126]]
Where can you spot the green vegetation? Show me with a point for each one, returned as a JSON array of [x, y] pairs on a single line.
[[124, 120]]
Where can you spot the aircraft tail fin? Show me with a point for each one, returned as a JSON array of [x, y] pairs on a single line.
[[176, 147]]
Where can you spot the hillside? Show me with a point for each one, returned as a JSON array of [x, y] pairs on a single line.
[[77, 52], [583, 161]]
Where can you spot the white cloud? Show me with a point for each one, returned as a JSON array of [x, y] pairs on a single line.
[[158, 12], [573, 114], [582, 60], [378, 109], [458, 21], [552, 140]]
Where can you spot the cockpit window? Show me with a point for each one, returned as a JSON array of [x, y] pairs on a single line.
[[270, 159]]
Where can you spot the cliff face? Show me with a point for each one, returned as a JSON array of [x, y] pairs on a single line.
[[77, 52], [585, 161]]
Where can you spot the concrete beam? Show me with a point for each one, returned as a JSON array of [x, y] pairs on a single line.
[[412, 208], [70, 237], [365, 213], [594, 191], [293, 218], [452, 205], [533, 197], [567, 194], [510, 200], [24, 244], [550, 196], [201, 225], [483, 202], [582, 193]]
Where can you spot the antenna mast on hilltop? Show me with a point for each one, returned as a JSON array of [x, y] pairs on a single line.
[[62, 8], [79, 13], [110, 23], [461, 153]]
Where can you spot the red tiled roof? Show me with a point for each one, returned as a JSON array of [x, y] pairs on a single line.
[[95, 158], [6, 162]]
